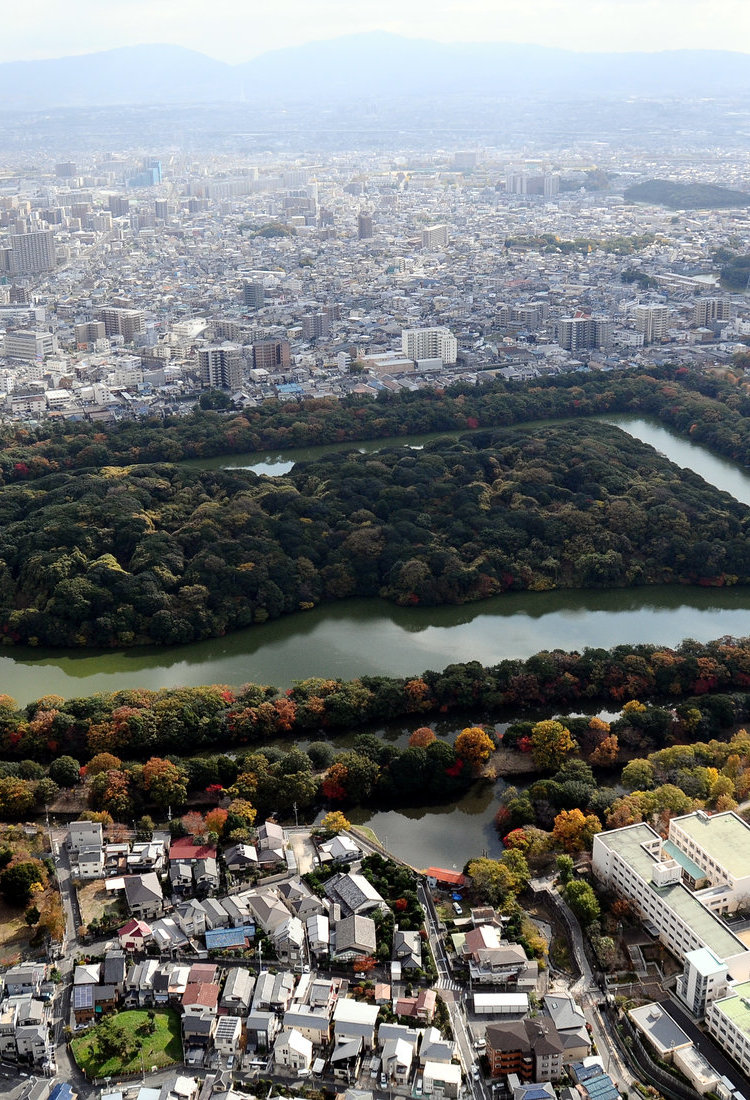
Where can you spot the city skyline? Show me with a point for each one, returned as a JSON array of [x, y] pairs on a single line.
[[233, 32]]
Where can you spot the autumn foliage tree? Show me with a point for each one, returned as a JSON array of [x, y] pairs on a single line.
[[574, 831], [164, 782], [605, 753], [421, 738], [474, 746]]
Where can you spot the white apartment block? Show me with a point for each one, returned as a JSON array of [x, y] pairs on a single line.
[[719, 845], [652, 322], [632, 861], [429, 343], [435, 236], [728, 1020]]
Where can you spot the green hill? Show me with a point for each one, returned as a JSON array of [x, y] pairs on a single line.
[[686, 196]]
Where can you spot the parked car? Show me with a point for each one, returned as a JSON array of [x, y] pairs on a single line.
[[457, 909]]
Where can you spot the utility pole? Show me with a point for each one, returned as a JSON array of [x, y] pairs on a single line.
[[296, 819]]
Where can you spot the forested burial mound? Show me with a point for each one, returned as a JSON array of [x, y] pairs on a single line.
[[159, 554]]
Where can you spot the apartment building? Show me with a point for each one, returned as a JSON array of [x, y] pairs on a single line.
[[429, 343], [633, 862], [719, 844], [728, 1020]]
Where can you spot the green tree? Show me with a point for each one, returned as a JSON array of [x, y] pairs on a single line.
[[65, 770], [551, 744], [17, 882], [565, 867], [582, 900]]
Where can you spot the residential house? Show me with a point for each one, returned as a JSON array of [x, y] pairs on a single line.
[[570, 1023], [87, 974], [114, 969], [442, 1079], [185, 850], [407, 949], [179, 1087], [206, 876], [293, 1051], [438, 878], [181, 879], [313, 1023], [421, 1007], [144, 895], [191, 917], [139, 983], [197, 1032], [300, 899], [396, 1060], [167, 935], [237, 994], [346, 1059], [146, 856], [24, 978], [318, 933], [352, 1018], [134, 935], [270, 844], [261, 1028], [289, 941], [227, 1035], [238, 910], [323, 993], [340, 849], [241, 859], [354, 936], [354, 893], [85, 847], [495, 961], [434, 1048], [216, 914], [267, 908]]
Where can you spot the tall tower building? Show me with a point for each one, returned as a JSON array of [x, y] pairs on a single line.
[[271, 355], [707, 310], [32, 253], [253, 295], [221, 367], [652, 322], [364, 226], [576, 333]]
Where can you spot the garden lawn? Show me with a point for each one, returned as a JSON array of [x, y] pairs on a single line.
[[162, 1048]]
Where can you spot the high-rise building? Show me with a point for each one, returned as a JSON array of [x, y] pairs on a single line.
[[316, 325], [65, 170], [161, 209], [31, 253], [122, 322], [221, 367], [119, 207], [253, 295], [707, 310], [435, 236], [271, 355], [90, 331], [576, 333], [652, 322], [364, 226], [551, 185], [429, 343]]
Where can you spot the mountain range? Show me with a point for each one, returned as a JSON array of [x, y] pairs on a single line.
[[362, 66]]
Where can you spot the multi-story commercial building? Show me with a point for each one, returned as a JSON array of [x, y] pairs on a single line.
[[435, 236], [708, 310], [652, 323], [29, 345], [31, 253], [576, 333], [221, 367], [429, 343]]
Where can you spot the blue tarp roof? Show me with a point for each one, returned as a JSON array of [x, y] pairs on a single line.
[[229, 937]]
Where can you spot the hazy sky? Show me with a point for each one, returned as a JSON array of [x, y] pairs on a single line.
[[236, 30]]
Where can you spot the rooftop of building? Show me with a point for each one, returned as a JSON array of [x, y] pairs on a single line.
[[725, 838], [736, 1007], [712, 931]]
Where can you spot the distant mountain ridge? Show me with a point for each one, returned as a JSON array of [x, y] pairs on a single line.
[[686, 196], [364, 65]]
